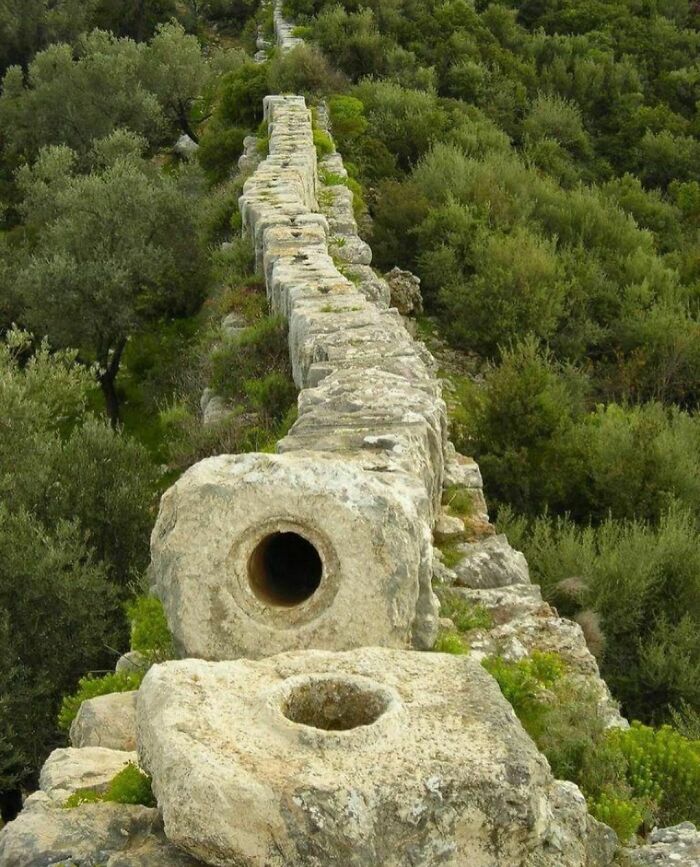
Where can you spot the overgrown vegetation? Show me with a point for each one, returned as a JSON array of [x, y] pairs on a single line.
[[537, 165], [110, 246], [633, 778], [150, 640], [74, 524]]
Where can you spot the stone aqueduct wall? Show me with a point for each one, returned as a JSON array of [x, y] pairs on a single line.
[[315, 756]]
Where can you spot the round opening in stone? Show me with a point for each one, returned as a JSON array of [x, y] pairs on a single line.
[[284, 570], [334, 705]]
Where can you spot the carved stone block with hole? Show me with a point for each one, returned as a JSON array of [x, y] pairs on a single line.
[[255, 554], [368, 757]]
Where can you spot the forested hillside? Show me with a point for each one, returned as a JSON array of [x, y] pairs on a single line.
[[536, 164]]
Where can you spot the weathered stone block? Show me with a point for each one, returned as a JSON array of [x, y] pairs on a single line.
[[69, 769], [255, 554], [106, 721], [491, 563], [114, 835], [360, 758]]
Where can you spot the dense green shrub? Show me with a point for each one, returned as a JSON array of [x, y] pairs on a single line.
[[643, 582], [219, 150], [74, 525], [663, 769], [323, 143], [92, 687], [521, 428], [632, 778], [623, 815], [522, 682], [150, 634], [241, 95], [261, 346], [303, 70]]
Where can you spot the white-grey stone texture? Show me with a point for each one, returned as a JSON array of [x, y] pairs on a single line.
[[370, 757]]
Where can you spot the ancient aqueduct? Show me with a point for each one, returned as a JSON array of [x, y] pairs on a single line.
[[301, 726]]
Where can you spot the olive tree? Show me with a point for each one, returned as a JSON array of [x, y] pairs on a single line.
[[71, 97], [75, 516], [107, 252]]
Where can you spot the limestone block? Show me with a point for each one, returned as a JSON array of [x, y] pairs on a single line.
[[506, 603], [254, 554], [106, 721], [69, 769], [448, 528], [349, 759], [185, 147], [351, 249], [491, 563], [405, 291], [113, 835], [373, 287], [133, 660], [333, 164], [678, 846], [535, 626], [461, 470]]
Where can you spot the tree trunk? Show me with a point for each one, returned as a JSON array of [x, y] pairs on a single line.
[[111, 399], [108, 386], [185, 125]]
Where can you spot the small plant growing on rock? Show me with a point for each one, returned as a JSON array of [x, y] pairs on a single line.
[[622, 815], [462, 613], [459, 500], [663, 770], [524, 683], [323, 143], [150, 634], [449, 641], [130, 786]]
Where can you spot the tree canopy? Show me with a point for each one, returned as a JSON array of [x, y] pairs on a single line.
[[106, 252]]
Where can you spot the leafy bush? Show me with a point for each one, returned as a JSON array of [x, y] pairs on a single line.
[[74, 522], [521, 428], [347, 119], [240, 360], [219, 149], [663, 770], [622, 815], [150, 634], [272, 395], [323, 143], [92, 687], [219, 207], [303, 70], [241, 95], [643, 582], [130, 786]]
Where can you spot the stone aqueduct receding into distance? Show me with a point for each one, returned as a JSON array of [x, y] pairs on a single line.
[[302, 727]]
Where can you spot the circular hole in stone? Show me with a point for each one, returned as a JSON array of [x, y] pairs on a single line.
[[334, 705], [285, 569]]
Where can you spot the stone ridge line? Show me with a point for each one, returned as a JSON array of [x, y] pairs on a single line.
[[368, 391]]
